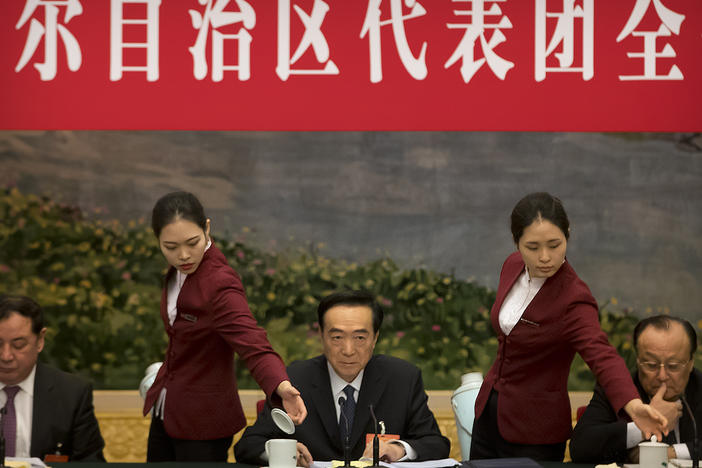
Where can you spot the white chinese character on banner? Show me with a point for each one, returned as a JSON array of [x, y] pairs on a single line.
[[50, 31], [416, 66], [117, 44], [214, 16], [312, 37], [670, 24], [564, 35], [475, 30]]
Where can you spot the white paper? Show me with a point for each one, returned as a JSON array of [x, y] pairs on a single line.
[[34, 461], [678, 463], [444, 462]]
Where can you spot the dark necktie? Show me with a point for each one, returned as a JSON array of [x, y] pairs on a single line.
[[10, 421], [348, 409]]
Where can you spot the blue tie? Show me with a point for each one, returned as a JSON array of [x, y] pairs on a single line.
[[348, 409]]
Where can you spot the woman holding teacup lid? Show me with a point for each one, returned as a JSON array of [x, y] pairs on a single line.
[[543, 314], [196, 409]]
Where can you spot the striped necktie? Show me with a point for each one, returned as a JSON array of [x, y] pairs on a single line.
[[348, 409], [9, 421]]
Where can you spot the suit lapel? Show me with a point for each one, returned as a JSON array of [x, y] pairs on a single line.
[[164, 297], [41, 409], [511, 274], [323, 400], [372, 388], [691, 395]]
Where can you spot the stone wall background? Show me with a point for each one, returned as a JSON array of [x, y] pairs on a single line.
[[439, 199]]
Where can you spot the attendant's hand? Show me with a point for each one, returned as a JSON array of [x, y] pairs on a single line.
[[672, 410], [388, 452], [292, 402], [304, 458], [647, 418]]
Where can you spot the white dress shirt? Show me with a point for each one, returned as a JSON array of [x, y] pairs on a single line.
[[518, 299], [24, 402], [337, 388]]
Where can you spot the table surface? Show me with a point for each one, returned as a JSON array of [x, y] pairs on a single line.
[[241, 465]]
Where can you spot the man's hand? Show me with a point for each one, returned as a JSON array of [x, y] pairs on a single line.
[[647, 418], [304, 458], [671, 452], [292, 402], [387, 451], [672, 410], [633, 454]]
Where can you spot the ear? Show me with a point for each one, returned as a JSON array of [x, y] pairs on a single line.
[[40, 340], [207, 229]]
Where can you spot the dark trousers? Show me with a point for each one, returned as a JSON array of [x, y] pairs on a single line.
[[488, 443], [162, 447]]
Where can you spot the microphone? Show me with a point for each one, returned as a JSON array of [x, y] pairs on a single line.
[[695, 445], [376, 448], [347, 455]]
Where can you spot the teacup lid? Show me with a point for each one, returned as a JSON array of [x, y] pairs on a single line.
[[652, 444], [283, 421]]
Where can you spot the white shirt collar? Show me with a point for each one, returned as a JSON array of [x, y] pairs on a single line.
[[338, 384], [27, 385]]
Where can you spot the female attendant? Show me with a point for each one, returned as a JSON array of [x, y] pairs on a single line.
[[196, 408], [543, 314]]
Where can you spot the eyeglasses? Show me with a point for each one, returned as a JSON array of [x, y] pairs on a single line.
[[673, 366]]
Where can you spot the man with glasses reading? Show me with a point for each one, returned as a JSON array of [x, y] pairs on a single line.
[[665, 376]]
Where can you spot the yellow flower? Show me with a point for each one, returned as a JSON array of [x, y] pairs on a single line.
[[614, 301], [270, 296]]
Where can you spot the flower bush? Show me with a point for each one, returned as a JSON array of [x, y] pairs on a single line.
[[99, 284]]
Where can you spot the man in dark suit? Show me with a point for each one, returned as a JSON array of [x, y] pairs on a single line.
[[47, 411], [339, 387], [665, 376]]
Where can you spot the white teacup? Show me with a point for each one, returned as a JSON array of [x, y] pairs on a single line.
[[653, 455], [282, 453]]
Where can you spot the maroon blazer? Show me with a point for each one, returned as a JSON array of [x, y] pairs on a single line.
[[530, 372], [213, 323]]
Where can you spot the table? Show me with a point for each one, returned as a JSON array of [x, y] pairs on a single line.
[[236, 465]]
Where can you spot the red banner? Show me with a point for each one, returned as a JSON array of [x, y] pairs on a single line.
[[543, 65]]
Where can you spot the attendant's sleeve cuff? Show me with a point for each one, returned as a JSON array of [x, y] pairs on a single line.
[[633, 435]]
